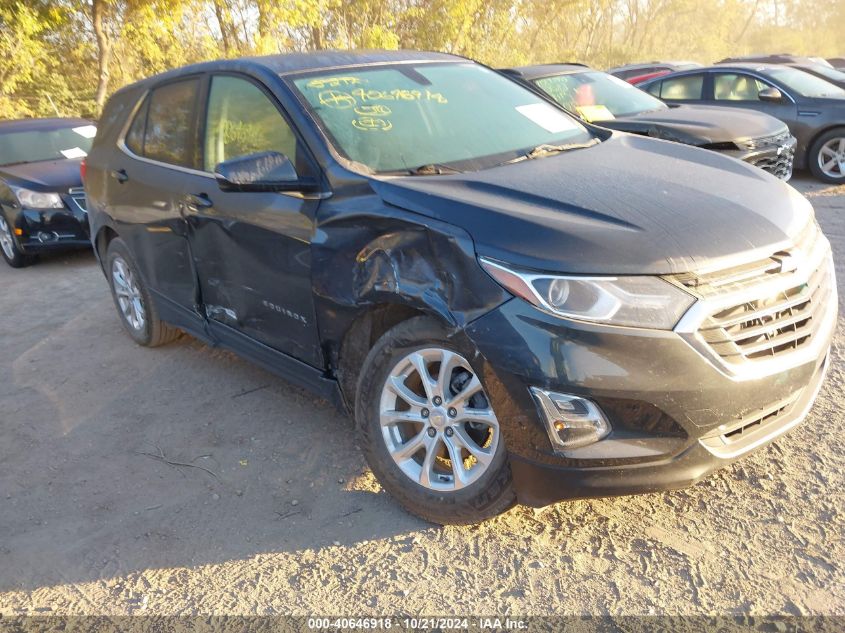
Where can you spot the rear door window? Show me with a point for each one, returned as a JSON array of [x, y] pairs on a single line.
[[168, 121], [686, 87]]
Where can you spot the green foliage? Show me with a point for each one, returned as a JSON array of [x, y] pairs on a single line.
[[52, 56]]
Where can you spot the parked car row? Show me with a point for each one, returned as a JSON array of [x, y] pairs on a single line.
[[813, 108], [515, 301], [603, 99]]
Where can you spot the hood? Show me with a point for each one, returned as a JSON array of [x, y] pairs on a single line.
[[48, 175], [631, 205], [699, 125]]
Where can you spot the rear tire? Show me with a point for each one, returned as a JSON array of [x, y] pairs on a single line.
[[9, 247], [133, 301], [441, 456], [826, 157]]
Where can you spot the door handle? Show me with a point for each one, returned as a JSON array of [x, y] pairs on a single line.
[[195, 202], [119, 175]]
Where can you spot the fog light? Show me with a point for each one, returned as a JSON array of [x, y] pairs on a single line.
[[571, 421]]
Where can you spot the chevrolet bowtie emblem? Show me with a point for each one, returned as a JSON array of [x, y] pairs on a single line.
[[790, 262]]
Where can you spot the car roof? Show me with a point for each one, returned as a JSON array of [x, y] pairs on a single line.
[[31, 125], [637, 65], [291, 63], [546, 70], [747, 66]]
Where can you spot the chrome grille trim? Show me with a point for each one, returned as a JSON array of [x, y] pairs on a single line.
[[748, 325]]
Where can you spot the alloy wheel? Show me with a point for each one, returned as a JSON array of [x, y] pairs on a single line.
[[128, 294], [436, 421], [6, 242], [832, 158]]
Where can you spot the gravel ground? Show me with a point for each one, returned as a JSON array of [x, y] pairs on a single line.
[[281, 516]]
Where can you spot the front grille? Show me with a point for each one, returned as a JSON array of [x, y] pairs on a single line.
[[779, 165], [77, 194], [756, 422], [763, 327], [765, 308], [779, 158], [781, 138]]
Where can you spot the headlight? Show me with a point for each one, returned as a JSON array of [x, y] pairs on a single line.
[[37, 199], [636, 301]]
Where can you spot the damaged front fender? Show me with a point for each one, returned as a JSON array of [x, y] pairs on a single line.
[[364, 263]]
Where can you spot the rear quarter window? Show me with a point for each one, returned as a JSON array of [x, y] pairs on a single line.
[[163, 128]]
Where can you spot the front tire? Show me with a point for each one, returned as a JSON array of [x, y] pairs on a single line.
[[133, 301], [428, 430], [9, 247], [827, 156]]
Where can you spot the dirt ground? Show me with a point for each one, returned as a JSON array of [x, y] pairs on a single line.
[[281, 516]]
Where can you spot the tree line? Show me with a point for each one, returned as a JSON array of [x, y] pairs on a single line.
[[66, 56]]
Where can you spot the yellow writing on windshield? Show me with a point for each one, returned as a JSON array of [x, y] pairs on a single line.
[[373, 110], [337, 99], [334, 82], [372, 124]]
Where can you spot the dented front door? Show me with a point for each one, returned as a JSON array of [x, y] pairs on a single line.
[[252, 249]]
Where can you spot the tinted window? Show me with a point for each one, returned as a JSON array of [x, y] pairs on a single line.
[[805, 84], [411, 115], [135, 136], [170, 123], [654, 88], [686, 87], [737, 87], [597, 96], [30, 146], [242, 120]]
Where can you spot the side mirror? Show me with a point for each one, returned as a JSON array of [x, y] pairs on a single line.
[[265, 171], [770, 94]]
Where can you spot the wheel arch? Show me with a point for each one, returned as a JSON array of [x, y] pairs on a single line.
[[371, 272]]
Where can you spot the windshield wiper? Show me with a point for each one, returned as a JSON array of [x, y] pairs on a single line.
[[433, 169], [547, 150]]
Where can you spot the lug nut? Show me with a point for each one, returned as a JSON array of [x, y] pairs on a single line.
[[431, 432], [452, 412], [424, 413], [450, 431], [438, 400]]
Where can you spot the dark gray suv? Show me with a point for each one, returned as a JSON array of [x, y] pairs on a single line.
[[514, 305]]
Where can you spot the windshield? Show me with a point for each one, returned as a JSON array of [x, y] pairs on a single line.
[[805, 84], [29, 146], [597, 96], [829, 73], [402, 117]]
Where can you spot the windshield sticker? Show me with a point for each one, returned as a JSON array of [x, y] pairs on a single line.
[[74, 152], [594, 113], [547, 117], [86, 131]]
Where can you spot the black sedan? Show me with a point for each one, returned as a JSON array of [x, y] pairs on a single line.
[[610, 102], [42, 202], [814, 109]]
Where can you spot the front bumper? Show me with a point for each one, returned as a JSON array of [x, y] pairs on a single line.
[[676, 415], [52, 229]]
